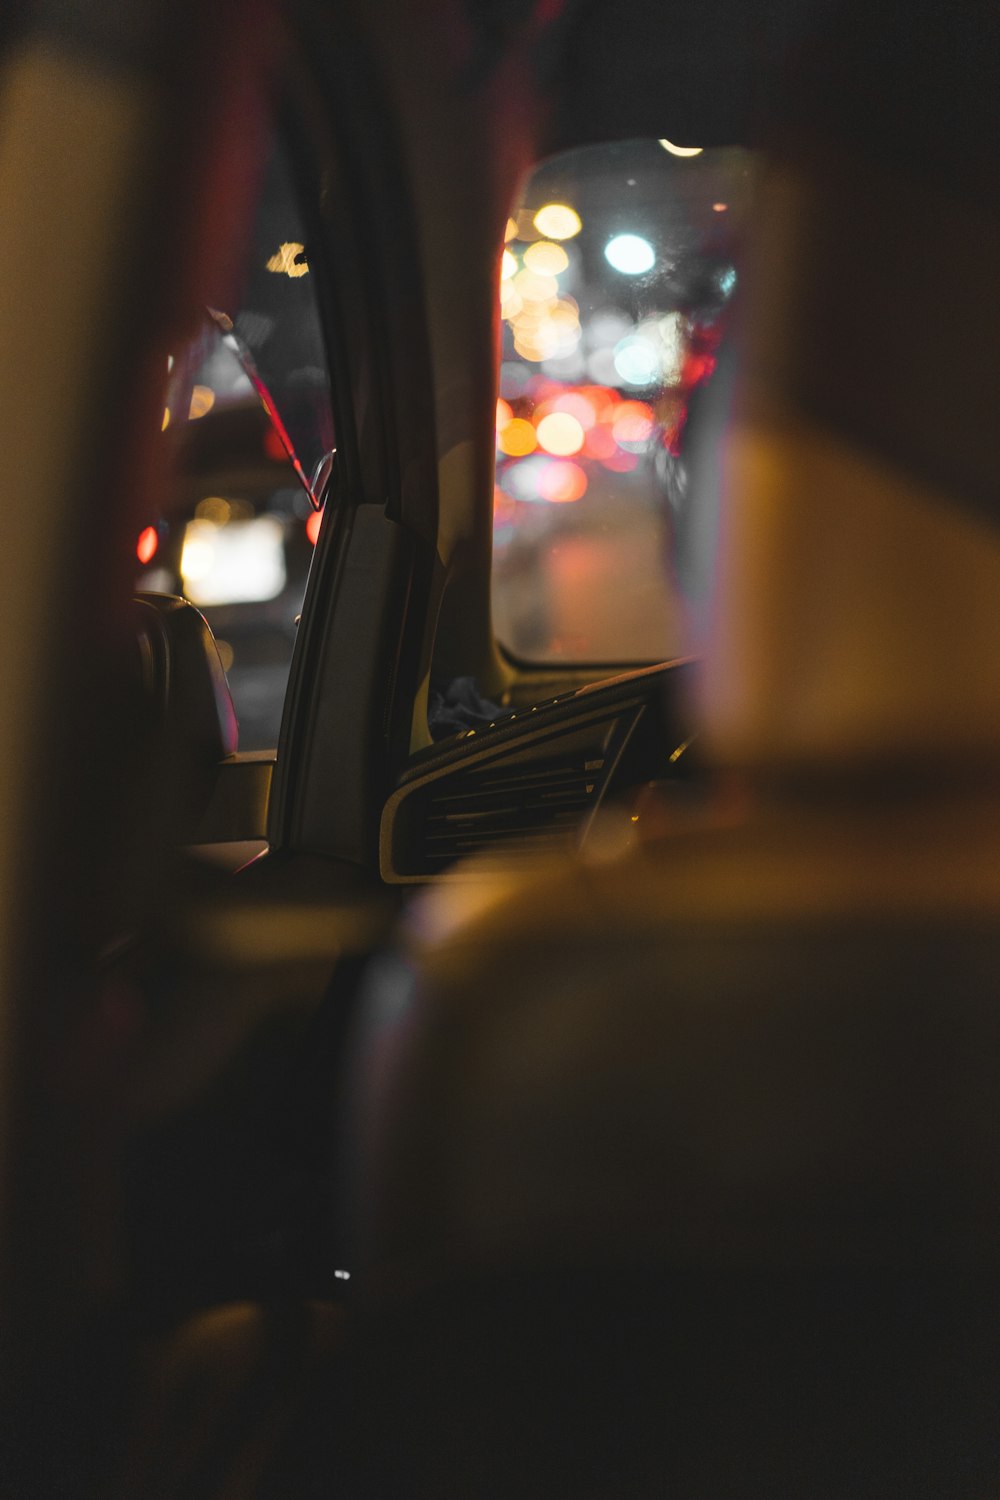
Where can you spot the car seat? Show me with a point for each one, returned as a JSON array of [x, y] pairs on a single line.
[[675, 1165]]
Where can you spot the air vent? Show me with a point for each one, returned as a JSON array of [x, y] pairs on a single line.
[[511, 808]]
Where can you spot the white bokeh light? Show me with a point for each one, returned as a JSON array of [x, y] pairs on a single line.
[[630, 254]]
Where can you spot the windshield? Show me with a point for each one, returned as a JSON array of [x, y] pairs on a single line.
[[620, 263]]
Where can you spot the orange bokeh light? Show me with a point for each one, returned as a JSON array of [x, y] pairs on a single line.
[[313, 524], [145, 547], [517, 438]]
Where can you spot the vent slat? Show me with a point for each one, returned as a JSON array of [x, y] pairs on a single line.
[[537, 772], [574, 797], [528, 830], [520, 810], [502, 788]]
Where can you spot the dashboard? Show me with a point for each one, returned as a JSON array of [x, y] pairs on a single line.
[[534, 780]]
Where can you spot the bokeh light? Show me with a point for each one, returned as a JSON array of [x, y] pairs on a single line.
[[560, 433], [286, 260], [634, 425], [511, 302], [534, 288], [546, 258], [198, 553], [517, 438], [637, 360], [630, 254], [681, 150], [600, 442], [508, 265], [145, 547], [504, 414], [313, 523], [202, 401], [557, 221], [578, 406], [562, 482], [536, 344], [522, 480], [215, 509]]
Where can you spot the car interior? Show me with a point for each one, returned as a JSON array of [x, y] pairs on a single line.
[[498, 886]]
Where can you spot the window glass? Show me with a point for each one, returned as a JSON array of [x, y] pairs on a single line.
[[619, 265], [246, 425]]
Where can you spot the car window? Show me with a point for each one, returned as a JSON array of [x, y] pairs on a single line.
[[619, 266], [248, 423]]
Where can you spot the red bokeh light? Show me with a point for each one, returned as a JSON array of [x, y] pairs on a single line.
[[313, 524], [145, 547]]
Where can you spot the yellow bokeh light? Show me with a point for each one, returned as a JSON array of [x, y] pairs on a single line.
[[198, 552], [557, 221], [681, 150], [517, 438], [535, 329], [202, 401], [166, 419], [510, 300], [565, 315], [536, 340], [560, 433], [534, 288], [286, 263], [214, 509], [508, 266], [546, 258], [510, 232], [504, 415]]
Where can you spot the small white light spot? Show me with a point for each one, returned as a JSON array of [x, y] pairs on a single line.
[[681, 150], [342, 1275]]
